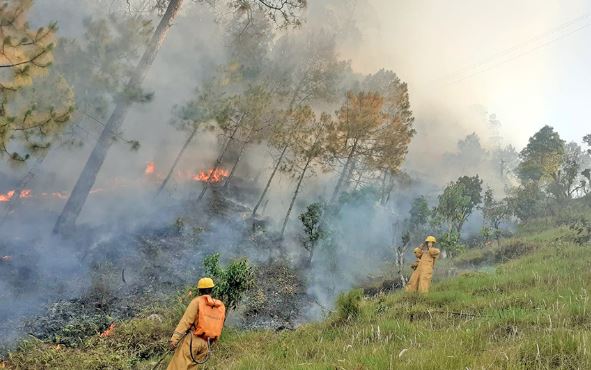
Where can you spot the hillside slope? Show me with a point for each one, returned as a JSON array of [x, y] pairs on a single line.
[[529, 312]]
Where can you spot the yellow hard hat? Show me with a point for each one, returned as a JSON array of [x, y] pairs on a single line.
[[205, 283], [431, 238]]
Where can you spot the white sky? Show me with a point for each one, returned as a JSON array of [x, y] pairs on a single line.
[[534, 56]]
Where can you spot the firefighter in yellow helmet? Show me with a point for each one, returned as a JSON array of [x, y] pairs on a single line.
[[426, 254], [200, 326]]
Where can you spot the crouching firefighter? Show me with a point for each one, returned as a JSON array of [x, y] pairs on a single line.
[[200, 326]]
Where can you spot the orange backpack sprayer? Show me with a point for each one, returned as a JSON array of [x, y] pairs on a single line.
[[209, 325]]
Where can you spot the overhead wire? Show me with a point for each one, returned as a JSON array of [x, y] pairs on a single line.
[[524, 53], [105, 127], [516, 51]]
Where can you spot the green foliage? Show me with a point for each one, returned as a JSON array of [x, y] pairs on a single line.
[[568, 181], [363, 196], [314, 230], [494, 213], [450, 242], [98, 65], [179, 225], [527, 201], [35, 102], [348, 306], [73, 334], [486, 233], [232, 281], [582, 228], [458, 201], [419, 212], [542, 157]]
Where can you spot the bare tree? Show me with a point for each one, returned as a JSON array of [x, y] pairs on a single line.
[[400, 250]]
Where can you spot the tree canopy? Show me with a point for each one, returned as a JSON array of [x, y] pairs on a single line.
[[33, 105]]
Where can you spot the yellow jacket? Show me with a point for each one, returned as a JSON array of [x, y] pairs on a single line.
[[181, 360], [420, 280]]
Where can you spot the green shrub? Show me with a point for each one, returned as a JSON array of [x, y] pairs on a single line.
[[231, 282], [450, 242], [348, 305]]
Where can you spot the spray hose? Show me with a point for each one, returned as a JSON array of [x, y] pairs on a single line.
[[206, 355], [166, 353]]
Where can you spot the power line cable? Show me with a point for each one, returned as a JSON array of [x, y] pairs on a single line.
[[475, 68], [526, 52], [105, 126]]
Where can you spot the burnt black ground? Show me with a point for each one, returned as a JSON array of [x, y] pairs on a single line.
[[100, 275]]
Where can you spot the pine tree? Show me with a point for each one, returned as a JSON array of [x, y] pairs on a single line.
[[283, 12], [34, 106], [311, 137]]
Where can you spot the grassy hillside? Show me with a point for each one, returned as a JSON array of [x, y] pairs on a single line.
[[530, 312]]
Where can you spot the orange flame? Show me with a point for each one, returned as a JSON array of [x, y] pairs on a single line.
[[213, 175], [109, 331], [7, 196], [150, 168], [25, 193]]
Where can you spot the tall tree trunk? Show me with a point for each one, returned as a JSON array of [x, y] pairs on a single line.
[[389, 189], [87, 178], [350, 174], [295, 195], [268, 185], [279, 160], [337, 188], [383, 189], [400, 264], [218, 161], [358, 181], [459, 227], [216, 165], [242, 148], [176, 161]]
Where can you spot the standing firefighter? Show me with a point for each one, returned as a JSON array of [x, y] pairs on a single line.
[[420, 280], [200, 326]]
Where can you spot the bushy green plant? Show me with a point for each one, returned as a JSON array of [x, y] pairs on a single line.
[[582, 228], [458, 201], [314, 229], [450, 242], [232, 281], [527, 202], [348, 305]]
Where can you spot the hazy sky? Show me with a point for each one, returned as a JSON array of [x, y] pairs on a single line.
[[528, 61]]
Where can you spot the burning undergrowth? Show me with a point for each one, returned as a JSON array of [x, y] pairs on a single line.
[[91, 281]]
